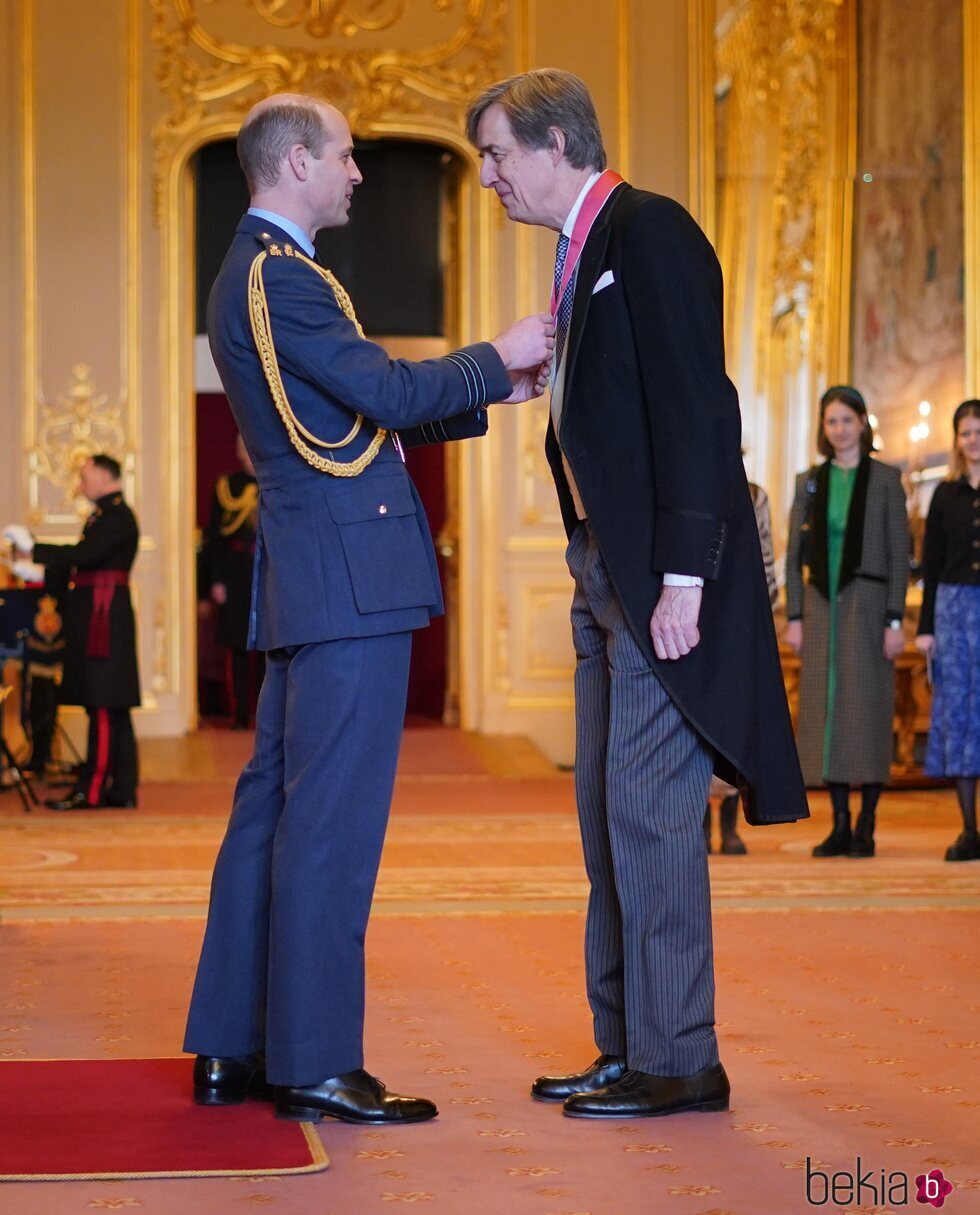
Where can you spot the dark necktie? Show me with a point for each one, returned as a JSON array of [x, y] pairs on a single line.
[[563, 316]]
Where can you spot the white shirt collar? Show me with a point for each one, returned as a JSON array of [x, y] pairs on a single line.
[[577, 205], [294, 230]]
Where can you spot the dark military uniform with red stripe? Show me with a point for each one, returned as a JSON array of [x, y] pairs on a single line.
[[101, 672]]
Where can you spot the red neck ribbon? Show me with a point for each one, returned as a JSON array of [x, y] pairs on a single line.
[[592, 204]]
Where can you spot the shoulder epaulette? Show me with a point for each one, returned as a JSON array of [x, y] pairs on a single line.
[[275, 246]]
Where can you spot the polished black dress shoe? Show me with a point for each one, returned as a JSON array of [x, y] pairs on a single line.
[[640, 1095], [353, 1097], [74, 801], [607, 1069], [229, 1081]]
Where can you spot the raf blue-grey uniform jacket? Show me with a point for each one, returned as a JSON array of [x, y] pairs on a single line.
[[335, 556]]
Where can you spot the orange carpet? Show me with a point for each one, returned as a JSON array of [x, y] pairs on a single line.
[[847, 1006]]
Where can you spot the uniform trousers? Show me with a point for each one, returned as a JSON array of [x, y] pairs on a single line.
[[110, 773], [241, 661], [641, 779], [282, 965]]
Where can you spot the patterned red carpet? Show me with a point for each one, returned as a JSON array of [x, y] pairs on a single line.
[[847, 1003]]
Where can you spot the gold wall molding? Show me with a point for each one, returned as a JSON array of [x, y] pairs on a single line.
[[971, 189], [539, 505], [322, 18], [207, 76], [80, 423], [701, 94], [60, 437], [773, 93]]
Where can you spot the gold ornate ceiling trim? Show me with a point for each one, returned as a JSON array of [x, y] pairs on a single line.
[[324, 17], [206, 77]]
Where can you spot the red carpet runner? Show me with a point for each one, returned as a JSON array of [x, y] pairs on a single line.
[[92, 1119]]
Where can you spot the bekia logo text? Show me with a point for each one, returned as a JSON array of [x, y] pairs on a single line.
[[873, 1187]]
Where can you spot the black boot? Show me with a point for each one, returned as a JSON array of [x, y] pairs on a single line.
[[838, 843], [731, 845], [965, 848], [863, 838]]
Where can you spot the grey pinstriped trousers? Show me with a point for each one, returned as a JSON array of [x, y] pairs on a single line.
[[641, 780]]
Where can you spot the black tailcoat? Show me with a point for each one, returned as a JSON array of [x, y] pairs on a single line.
[[651, 429], [108, 542]]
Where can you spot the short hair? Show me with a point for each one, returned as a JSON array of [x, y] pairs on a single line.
[[966, 409], [264, 141], [850, 397], [536, 101], [112, 466]]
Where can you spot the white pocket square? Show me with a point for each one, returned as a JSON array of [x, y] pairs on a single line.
[[603, 281]]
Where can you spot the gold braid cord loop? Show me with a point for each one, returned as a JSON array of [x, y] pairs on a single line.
[[236, 511], [299, 436]]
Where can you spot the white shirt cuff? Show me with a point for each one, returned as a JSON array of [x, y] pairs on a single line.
[[682, 580]]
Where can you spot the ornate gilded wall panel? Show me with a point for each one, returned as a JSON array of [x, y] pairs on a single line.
[[79, 295], [80, 423], [909, 328], [971, 191], [546, 652], [779, 138], [538, 502]]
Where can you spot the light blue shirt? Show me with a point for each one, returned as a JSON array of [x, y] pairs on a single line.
[[287, 225]]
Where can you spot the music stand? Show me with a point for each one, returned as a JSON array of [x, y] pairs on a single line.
[[17, 611]]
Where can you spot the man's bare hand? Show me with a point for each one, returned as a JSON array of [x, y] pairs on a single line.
[[674, 623], [219, 593], [528, 384], [528, 343]]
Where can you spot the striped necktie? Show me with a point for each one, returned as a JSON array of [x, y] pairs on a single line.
[[564, 315]]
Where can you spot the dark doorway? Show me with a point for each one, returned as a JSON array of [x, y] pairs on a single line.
[[392, 259]]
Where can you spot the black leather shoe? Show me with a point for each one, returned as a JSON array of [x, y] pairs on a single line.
[[607, 1069], [74, 801], [353, 1097], [639, 1095], [229, 1081], [966, 847]]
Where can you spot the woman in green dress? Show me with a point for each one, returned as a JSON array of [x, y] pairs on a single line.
[[846, 576]]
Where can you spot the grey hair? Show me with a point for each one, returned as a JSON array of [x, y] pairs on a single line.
[[536, 101], [264, 141]]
